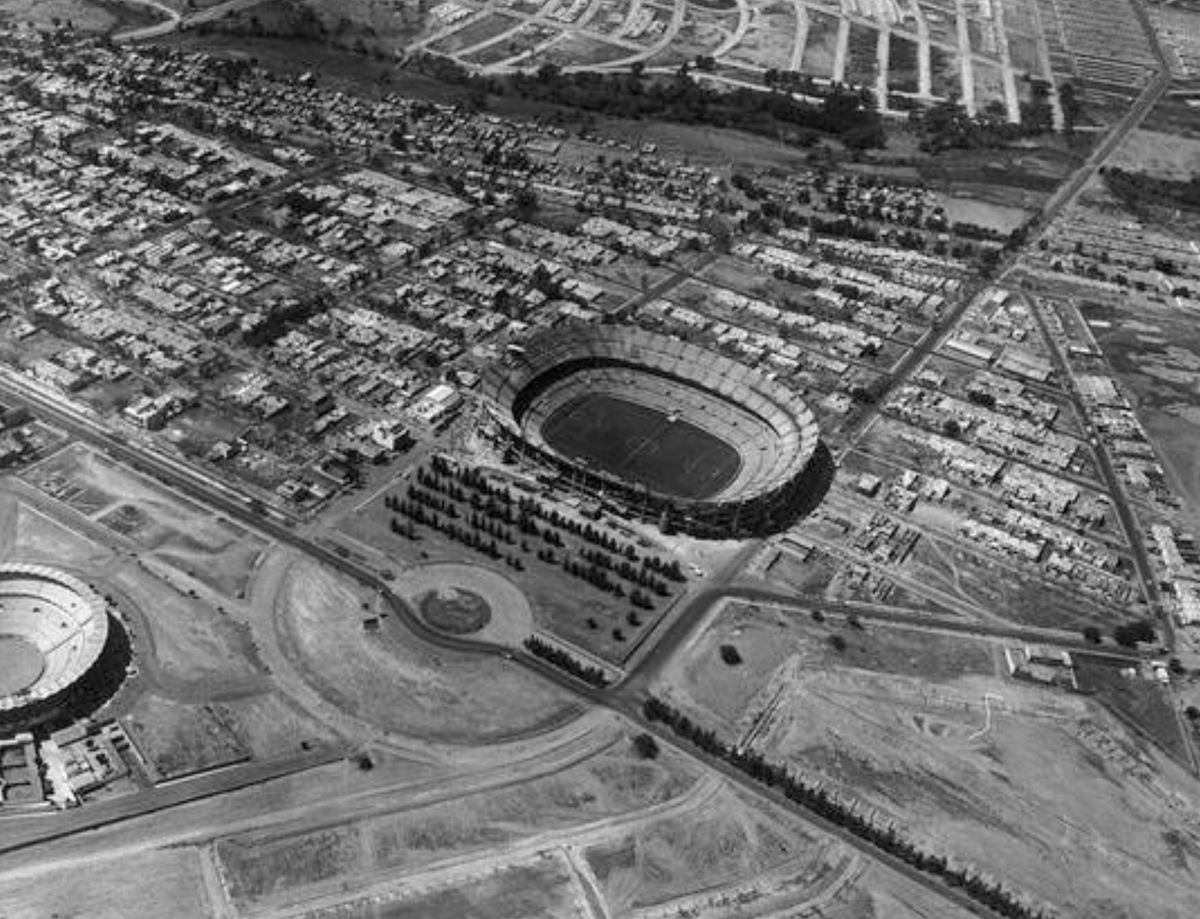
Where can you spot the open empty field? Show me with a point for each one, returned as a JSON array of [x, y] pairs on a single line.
[[537, 891], [1043, 787], [734, 846], [399, 683], [190, 538], [85, 15], [189, 639], [767, 638], [29, 534], [271, 867], [179, 740], [640, 444], [1156, 355], [99, 889]]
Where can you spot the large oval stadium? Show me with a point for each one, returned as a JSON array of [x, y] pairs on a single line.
[[53, 633], [664, 428]]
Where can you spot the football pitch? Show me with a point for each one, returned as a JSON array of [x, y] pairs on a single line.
[[642, 445]]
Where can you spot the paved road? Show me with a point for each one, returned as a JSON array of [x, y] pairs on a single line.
[[35, 831], [627, 698], [627, 702], [686, 625], [1112, 140], [1116, 491]]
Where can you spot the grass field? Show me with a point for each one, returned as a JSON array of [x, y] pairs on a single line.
[[459, 612], [1163, 155], [570, 608], [180, 740], [642, 445]]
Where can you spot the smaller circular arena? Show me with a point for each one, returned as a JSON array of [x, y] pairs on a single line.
[[53, 633], [666, 430]]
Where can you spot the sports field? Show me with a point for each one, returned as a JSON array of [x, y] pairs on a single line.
[[642, 445]]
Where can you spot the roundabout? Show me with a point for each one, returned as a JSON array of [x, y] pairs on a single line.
[[460, 599], [452, 610]]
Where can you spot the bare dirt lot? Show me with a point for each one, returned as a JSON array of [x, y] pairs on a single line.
[[407, 687], [192, 641], [192, 539], [98, 892], [1044, 788], [539, 891], [262, 868], [179, 740], [29, 534], [733, 846]]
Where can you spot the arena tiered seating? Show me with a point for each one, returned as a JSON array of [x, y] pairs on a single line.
[[61, 617], [771, 427]]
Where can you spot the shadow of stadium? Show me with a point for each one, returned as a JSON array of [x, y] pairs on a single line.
[[818, 479], [90, 693]]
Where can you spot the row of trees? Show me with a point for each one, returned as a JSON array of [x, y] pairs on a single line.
[[458, 533], [567, 662], [1140, 188], [485, 531], [842, 112], [813, 796], [626, 569], [497, 506], [948, 126]]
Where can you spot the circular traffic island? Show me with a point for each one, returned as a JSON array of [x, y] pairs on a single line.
[[453, 610], [461, 599]]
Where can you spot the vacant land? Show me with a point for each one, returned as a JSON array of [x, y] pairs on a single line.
[[732, 845], [178, 740], [35, 537], [999, 217], [1163, 155], [264, 867], [1044, 788], [164, 882], [539, 891], [190, 538], [1156, 355], [405, 686], [85, 15], [191, 640], [762, 639]]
